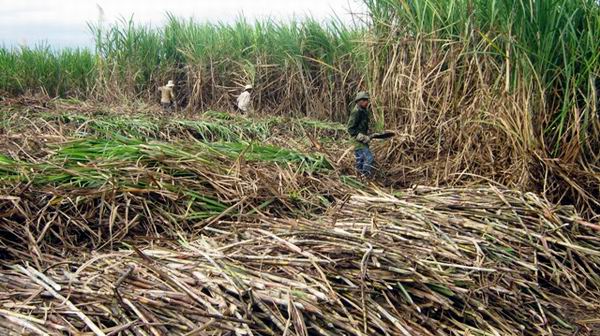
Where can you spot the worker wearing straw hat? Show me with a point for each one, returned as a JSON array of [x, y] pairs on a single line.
[[243, 101], [358, 128], [167, 96]]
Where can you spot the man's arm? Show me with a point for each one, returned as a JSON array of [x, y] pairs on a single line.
[[353, 121]]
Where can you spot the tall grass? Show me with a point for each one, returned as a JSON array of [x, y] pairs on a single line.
[[300, 68], [549, 47], [503, 89], [67, 72]]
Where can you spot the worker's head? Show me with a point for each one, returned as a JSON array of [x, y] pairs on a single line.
[[248, 87], [362, 99], [170, 84]]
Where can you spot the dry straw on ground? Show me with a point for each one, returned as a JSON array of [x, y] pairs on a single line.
[[479, 261], [134, 226]]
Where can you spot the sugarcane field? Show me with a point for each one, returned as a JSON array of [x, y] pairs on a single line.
[[332, 167]]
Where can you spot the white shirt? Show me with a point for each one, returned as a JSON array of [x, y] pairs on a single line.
[[243, 101]]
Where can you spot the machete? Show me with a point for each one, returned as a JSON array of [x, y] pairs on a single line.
[[383, 135]]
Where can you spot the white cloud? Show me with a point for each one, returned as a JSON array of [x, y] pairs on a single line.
[[52, 20]]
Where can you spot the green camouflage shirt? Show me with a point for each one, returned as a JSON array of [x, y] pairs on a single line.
[[358, 123]]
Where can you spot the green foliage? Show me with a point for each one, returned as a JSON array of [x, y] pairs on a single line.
[[268, 153], [552, 43], [80, 161], [67, 72]]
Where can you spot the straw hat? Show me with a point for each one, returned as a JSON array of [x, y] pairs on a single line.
[[170, 84]]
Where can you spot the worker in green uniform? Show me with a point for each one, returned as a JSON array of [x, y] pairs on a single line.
[[358, 128]]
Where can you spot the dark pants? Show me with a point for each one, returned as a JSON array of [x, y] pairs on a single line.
[[364, 161], [239, 110], [167, 107]]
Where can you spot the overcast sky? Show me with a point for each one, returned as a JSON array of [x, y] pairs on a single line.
[[63, 22]]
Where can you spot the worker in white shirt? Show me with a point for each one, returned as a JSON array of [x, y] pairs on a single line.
[[243, 101]]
